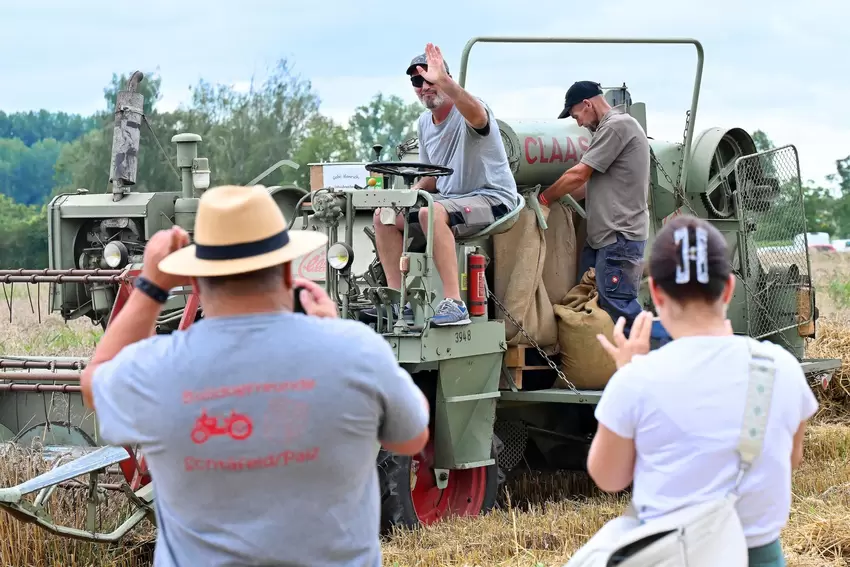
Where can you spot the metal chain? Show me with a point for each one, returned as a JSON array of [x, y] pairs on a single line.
[[675, 185], [548, 360], [684, 143]]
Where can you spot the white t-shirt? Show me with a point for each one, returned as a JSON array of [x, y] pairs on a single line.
[[683, 405]]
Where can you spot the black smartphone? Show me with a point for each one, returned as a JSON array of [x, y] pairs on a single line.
[[296, 306]]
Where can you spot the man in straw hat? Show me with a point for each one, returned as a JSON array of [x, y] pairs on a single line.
[[259, 425]]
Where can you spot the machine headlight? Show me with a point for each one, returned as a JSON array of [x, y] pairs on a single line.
[[340, 256], [115, 255], [201, 173]]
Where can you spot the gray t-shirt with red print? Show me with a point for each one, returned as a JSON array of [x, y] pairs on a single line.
[[261, 434]]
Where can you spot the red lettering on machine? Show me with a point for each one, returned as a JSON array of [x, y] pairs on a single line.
[[535, 149]]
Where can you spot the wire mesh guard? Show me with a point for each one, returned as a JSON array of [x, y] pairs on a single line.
[[777, 276]]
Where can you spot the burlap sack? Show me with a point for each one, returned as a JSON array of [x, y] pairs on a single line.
[[583, 359], [518, 258], [559, 270]]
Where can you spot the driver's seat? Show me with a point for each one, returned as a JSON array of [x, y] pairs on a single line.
[[503, 224]]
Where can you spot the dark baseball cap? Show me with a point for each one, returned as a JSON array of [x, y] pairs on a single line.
[[577, 93], [422, 61]]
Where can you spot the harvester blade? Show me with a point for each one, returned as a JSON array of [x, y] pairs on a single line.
[[94, 461]]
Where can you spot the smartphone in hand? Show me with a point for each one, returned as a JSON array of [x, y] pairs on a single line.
[[297, 307]]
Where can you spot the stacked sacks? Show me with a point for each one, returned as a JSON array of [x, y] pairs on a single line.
[[583, 359], [534, 272]]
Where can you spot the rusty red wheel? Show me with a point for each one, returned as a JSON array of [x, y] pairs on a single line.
[[463, 494], [410, 496]]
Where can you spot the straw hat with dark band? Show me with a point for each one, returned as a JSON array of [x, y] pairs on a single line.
[[238, 230]]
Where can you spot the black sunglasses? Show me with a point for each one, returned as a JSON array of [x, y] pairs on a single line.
[[418, 81]]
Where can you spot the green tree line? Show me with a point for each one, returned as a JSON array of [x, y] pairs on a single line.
[[43, 154]]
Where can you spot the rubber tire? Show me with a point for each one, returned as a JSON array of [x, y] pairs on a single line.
[[394, 479]]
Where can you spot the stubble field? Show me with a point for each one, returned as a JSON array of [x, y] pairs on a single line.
[[540, 521]]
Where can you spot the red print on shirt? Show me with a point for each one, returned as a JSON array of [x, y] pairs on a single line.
[[285, 419], [238, 426]]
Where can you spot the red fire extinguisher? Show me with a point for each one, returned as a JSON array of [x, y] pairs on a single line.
[[477, 285]]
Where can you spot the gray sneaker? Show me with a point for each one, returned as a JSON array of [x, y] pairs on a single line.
[[450, 312]]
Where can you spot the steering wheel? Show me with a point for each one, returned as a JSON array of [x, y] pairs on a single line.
[[408, 170]]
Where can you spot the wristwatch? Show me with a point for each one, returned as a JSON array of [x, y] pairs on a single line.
[[151, 289]]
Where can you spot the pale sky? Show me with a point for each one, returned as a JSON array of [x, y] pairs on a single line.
[[769, 64]]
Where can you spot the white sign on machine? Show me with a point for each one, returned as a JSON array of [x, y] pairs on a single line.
[[344, 175]]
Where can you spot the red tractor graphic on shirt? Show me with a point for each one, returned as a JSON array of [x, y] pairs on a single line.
[[238, 426]]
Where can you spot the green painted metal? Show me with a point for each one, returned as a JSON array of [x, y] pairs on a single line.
[[447, 343], [465, 410], [553, 395], [541, 150]]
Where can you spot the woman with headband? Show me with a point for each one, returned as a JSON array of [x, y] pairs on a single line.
[[670, 420]]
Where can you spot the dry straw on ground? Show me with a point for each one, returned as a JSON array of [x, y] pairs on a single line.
[[540, 520]]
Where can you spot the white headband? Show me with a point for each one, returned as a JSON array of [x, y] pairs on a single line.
[[699, 253]]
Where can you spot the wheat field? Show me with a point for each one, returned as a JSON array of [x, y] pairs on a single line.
[[540, 519]]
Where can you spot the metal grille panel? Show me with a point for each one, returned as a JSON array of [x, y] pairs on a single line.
[[770, 200], [514, 436]]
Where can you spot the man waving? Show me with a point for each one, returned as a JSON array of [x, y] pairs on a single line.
[[459, 131]]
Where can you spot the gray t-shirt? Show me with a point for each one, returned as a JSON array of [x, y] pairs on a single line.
[[617, 192], [284, 473], [480, 163]]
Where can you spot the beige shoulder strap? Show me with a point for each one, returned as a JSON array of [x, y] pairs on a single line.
[[757, 409]]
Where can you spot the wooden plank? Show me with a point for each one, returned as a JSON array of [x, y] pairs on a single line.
[[517, 362], [515, 357], [316, 177]]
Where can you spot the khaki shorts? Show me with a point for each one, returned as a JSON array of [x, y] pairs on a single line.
[[467, 215]]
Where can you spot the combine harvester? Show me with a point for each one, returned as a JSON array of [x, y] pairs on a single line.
[[500, 394]]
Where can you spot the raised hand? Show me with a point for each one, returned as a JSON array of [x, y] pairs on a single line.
[[436, 73], [161, 244], [637, 343]]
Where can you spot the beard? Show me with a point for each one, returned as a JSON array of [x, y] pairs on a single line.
[[431, 100]]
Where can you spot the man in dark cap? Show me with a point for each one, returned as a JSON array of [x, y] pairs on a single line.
[[458, 130], [613, 177]]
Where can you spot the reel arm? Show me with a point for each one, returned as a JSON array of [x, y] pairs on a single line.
[[95, 463]]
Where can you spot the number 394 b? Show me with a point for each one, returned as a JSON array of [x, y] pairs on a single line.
[[463, 336]]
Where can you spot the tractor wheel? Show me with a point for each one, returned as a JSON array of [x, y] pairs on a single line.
[[410, 497]]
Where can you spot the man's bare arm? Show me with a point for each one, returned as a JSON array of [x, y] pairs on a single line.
[[580, 193], [415, 445], [570, 183], [426, 184], [469, 107], [136, 321]]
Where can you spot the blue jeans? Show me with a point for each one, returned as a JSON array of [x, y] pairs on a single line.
[[619, 267], [769, 555]]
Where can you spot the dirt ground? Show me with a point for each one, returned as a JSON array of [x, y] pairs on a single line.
[[541, 519]]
